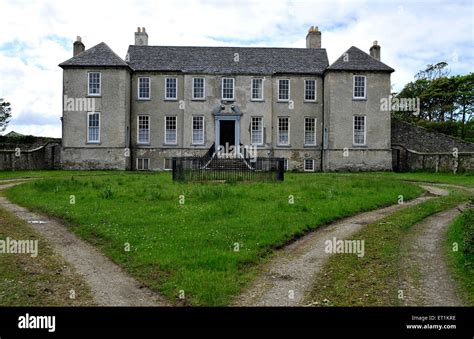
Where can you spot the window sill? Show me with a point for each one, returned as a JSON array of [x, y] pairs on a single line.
[[171, 99], [283, 101], [309, 146], [360, 146], [170, 145], [257, 100], [93, 143], [94, 95], [359, 99], [284, 146], [139, 144], [198, 99], [310, 101], [198, 145], [143, 99]]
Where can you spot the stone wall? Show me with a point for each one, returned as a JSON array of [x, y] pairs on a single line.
[[43, 157], [416, 148]]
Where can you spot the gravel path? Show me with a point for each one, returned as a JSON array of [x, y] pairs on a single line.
[[110, 285], [425, 279], [287, 277]]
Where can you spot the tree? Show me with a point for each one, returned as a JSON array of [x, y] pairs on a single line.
[[432, 72], [5, 114], [464, 99]]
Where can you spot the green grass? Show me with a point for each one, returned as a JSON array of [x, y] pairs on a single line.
[[464, 179], [45, 280], [6, 175], [461, 262], [190, 247], [373, 279]]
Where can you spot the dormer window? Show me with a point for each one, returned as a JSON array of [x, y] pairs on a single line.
[[359, 87], [93, 84]]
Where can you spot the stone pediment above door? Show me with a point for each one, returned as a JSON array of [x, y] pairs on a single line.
[[227, 110]]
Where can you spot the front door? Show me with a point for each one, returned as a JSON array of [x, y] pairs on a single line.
[[227, 133]]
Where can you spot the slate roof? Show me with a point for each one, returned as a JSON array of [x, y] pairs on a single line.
[[358, 60], [252, 60], [99, 55]]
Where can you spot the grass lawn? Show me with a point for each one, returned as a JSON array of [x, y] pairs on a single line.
[[464, 179], [373, 279], [6, 175], [45, 280], [208, 244], [461, 262]]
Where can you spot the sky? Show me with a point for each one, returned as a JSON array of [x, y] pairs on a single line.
[[35, 36]]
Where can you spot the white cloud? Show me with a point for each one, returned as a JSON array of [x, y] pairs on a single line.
[[38, 35]]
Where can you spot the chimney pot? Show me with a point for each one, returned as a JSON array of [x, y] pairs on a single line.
[[78, 46], [141, 37], [313, 38], [375, 50]]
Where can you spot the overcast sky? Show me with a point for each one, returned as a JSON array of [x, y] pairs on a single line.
[[35, 36]]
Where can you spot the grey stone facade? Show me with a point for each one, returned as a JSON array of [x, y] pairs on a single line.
[[333, 107]]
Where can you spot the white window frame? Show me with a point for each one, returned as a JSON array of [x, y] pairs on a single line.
[[251, 89], [286, 164], [315, 124], [138, 129], [354, 87], [88, 84], [170, 162], [233, 89], [312, 165], [365, 130], [142, 160], [194, 142], [289, 90], [252, 141], [203, 88], [278, 132], [315, 90], [175, 129], [166, 88], [98, 134], [149, 89]]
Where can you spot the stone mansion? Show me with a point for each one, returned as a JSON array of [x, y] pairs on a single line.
[[167, 101]]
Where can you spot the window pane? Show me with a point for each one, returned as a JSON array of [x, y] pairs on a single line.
[[310, 90], [94, 83], [93, 129], [256, 131], [359, 130], [171, 92], [310, 131], [198, 130], [228, 88], [283, 89], [359, 86], [144, 88], [257, 89], [198, 88], [143, 129], [283, 129], [170, 134]]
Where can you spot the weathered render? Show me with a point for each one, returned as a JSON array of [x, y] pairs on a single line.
[[120, 106]]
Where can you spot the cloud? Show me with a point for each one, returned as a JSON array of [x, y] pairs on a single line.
[[38, 35]]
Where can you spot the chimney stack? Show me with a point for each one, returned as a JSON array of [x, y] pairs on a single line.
[[375, 50], [78, 46], [313, 39], [141, 37]]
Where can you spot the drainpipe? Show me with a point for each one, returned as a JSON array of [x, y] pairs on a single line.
[[323, 126]]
